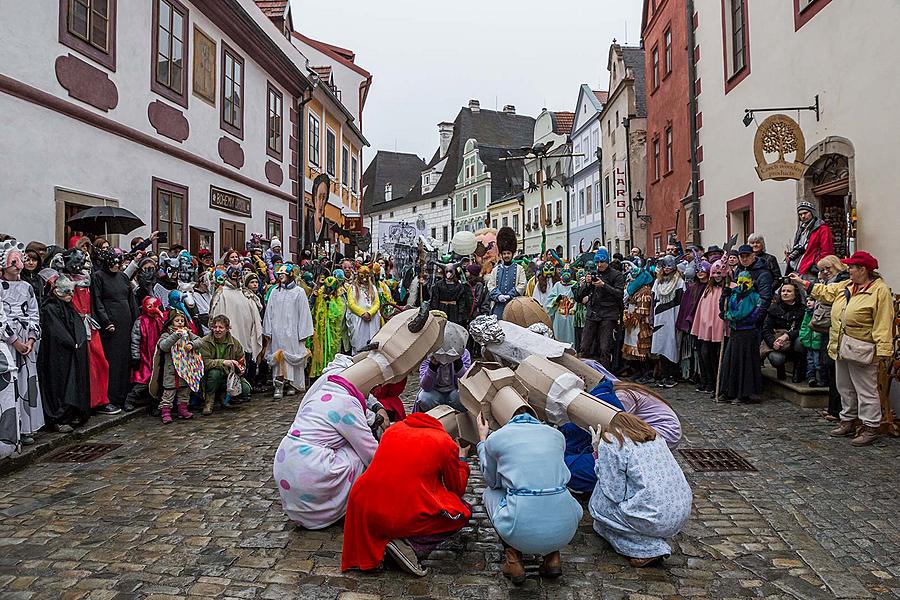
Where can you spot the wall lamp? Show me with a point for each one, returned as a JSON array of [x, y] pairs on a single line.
[[749, 112]]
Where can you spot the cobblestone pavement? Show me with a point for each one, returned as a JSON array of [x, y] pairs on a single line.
[[191, 510]]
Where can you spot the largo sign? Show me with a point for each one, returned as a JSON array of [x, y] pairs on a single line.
[[781, 135], [621, 196]]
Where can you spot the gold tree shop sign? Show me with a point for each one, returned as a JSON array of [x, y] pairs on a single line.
[[781, 135]]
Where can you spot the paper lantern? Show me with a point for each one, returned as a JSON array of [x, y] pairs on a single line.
[[525, 311], [464, 243]]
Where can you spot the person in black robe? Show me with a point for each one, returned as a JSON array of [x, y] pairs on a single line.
[[114, 310], [452, 297], [63, 360]]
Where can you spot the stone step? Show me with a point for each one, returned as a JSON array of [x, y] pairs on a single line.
[[799, 393]]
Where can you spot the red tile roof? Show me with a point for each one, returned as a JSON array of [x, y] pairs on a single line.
[[272, 8], [564, 122], [324, 72], [342, 55], [602, 96]]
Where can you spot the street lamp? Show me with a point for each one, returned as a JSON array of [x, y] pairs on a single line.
[[635, 207]]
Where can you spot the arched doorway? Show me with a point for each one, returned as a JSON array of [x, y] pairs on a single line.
[[830, 184]]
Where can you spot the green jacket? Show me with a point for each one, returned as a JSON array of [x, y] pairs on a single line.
[[207, 349], [811, 340]]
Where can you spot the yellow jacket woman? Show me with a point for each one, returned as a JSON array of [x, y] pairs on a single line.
[[869, 316]]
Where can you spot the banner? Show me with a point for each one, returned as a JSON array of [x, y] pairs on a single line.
[[620, 177]]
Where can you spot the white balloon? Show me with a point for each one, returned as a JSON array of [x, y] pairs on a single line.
[[464, 243]]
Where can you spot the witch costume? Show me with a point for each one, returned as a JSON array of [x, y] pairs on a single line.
[[113, 303], [9, 405], [741, 307], [667, 294]]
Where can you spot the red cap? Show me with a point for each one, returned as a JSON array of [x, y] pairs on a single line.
[[204, 252], [862, 259]]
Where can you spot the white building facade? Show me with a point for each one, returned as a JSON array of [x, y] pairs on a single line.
[[201, 149], [548, 127], [782, 54], [585, 197]]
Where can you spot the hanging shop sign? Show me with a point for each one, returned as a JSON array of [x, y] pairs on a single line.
[[229, 201], [353, 223], [781, 135], [621, 195]]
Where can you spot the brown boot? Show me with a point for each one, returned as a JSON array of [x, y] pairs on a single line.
[[551, 567], [844, 429], [866, 436], [513, 567], [208, 400]]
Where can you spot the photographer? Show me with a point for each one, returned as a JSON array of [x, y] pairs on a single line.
[[603, 293], [812, 242]]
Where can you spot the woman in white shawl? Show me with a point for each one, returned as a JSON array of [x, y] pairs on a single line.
[[667, 292]]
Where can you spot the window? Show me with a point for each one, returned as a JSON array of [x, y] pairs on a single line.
[[515, 221], [354, 175], [494, 223], [657, 243], [597, 195], [669, 165], [169, 41], [536, 220], [558, 211], [667, 40], [274, 109], [595, 141], [581, 202], [588, 200], [444, 233], [475, 199], [330, 152], [606, 189], [379, 217], [737, 35], [433, 205], [549, 209], [414, 208], [577, 158], [273, 226], [434, 233], [465, 202], [89, 27], [313, 136], [170, 212], [505, 221], [655, 56], [391, 215], [345, 166], [804, 10], [232, 92], [656, 171], [445, 202]]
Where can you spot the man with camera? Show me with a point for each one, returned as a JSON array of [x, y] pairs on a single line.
[[603, 293]]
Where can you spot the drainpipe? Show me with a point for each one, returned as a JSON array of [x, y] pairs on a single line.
[[599, 155], [301, 168], [692, 114]]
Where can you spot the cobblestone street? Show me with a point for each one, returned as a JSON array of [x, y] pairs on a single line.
[[191, 510]]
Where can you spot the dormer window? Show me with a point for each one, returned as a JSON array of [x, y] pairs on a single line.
[[387, 192]]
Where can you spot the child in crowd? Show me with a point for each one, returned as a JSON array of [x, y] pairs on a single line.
[[812, 343], [174, 387], [144, 337]]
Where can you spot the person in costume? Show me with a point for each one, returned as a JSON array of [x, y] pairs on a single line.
[[696, 276], [440, 372], [526, 496], [33, 261], [23, 334], [328, 313], [385, 296], [63, 360], [222, 355], [243, 316], [741, 308], [708, 326], [363, 307], [287, 325], [166, 277], [115, 311], [452, 297], [272, 253], [667, 294], [580, 310], [560, 306], [638, 321], [641, 497], [166, 382], [539, 285], [72, 265], [145, 335], [507, 280], [341, 293]]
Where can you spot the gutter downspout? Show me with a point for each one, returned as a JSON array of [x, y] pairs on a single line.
[[599, 155], [302, 166], [692, 110]]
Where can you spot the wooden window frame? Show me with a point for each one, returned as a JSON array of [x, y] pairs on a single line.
[[654, 64], [670, 149], [667, 51], [333, 172], [318, 140], [276, 152], [803, 16], [656, 157], [345, 167], [740, 204], [237, 132], [161, 185], [354, 174], [105, 58], [275, 218], [732, 79], [155, 85]]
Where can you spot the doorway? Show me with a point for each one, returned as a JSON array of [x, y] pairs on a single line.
[[232, 234]]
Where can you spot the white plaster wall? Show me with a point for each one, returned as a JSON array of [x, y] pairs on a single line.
[[117, 169], [615, 150], [846, 55], [29, 34]]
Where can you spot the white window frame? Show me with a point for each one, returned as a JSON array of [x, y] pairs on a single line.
[[313, 119]]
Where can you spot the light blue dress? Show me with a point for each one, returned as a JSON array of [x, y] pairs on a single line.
[[526, 498], [641, 497], [561, 308]]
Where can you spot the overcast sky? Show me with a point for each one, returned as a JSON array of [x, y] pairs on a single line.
[[428, 58]]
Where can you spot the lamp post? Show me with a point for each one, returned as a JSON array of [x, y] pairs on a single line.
[[634, 209]]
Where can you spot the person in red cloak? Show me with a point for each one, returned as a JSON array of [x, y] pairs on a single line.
[[388, 394], [144, 336], [418, 462]]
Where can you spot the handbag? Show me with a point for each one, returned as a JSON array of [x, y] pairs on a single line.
[[850, 348], [820, 321]]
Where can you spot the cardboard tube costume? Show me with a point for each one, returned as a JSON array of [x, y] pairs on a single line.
[[493, 391], [558, 395]]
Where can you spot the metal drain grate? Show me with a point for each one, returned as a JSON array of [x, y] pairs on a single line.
[[82, 453], [715, 459]]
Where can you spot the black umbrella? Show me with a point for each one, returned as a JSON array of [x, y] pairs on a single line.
[[105, 220]]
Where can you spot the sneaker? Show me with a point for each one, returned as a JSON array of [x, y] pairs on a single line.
[[109, 409], [26, 440], [405, 557], [289, 390], [64, 428], [668, 383]]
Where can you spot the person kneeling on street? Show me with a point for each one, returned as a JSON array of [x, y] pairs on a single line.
[[526, 496], [439, 373], [642, 496], [222, 355]]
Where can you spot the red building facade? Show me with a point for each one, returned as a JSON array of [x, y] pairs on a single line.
[[664, 36]]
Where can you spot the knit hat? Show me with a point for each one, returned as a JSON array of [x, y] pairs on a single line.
[[601, 255], [804, 205], [275, 243]]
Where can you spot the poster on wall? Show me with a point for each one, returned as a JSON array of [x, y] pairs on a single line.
[[400, 240], [320, 189], [620, 177]]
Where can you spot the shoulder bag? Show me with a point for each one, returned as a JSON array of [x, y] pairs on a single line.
[[850, 348]]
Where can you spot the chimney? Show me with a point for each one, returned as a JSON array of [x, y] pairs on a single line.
[[510, 109], [445, 131], [474, 105], [387, 192]]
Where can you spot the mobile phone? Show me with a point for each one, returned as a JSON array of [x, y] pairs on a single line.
[[163, 237]]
